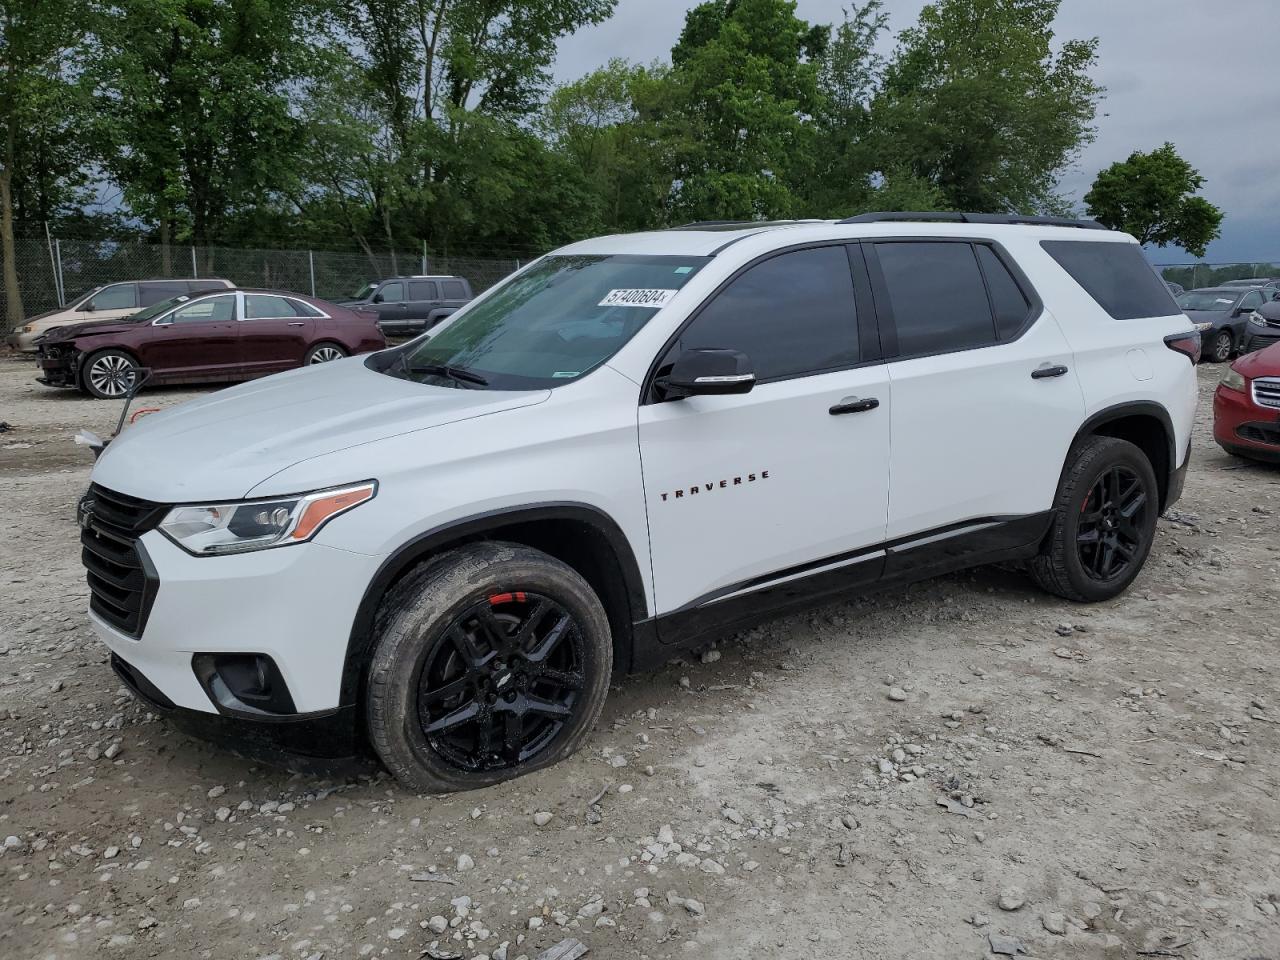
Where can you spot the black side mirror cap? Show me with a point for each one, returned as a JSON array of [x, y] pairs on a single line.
[[709, 371]]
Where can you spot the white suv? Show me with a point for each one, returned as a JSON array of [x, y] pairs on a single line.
[[444, 549]]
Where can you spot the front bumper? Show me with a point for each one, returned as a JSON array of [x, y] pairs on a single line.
[[1240, 425], [293, 606], [59, 368], [24, 342], [1259, 338]]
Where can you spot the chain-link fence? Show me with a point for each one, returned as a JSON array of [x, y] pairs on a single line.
[[1191, 276], [56, 272]]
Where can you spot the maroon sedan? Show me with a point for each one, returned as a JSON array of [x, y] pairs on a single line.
[[206, 337]]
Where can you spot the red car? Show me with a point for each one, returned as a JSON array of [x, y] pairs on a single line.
[[1246, 407], [209, 336]]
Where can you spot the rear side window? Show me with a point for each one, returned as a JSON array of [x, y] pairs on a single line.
[[153, 293], [793, 315], [1008, 302], [259, 306], [454, 290], [938, 297], [422, 290], [1116, 275]]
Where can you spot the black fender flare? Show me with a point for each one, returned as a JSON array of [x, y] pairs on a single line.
[[419, 548], [1135, 408]]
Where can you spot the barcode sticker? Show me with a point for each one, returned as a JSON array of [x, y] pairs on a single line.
[[637, 297]]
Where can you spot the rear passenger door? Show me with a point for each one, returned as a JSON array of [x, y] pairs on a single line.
[[759, 497], [985, 400], [424, 296], [274, 333]]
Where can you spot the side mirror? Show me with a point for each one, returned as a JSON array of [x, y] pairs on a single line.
[[88, 307], [709, 371], [376, 298]]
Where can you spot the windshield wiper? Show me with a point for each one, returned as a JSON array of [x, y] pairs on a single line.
[[453, 373]]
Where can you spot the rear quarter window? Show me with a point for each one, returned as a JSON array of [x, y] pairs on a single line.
[[1116, 275]]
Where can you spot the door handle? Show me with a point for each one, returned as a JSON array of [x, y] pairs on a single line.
[[296, 323], [854, 405], [1044, 373]]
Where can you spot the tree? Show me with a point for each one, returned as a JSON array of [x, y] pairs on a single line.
[[1151, 195], [194, 102], [976, 102], [36, 36], [746, 78]]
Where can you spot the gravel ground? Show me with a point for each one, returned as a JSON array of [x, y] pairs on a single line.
[[948, 770]]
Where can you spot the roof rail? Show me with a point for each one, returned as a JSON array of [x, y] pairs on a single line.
[[703, 224], [950, 216]]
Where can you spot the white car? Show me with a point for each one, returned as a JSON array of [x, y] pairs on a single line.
[[633, 444]]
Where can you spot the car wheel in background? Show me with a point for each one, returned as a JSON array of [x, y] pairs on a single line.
[[1104, 522], [1221, 347], [491, 661], [108, 374], [324, 353]]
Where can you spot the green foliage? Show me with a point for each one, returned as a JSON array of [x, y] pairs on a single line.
[[1204, 275], [1150, 195], [976, 102]]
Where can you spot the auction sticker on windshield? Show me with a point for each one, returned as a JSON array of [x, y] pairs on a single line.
[[637, 297]]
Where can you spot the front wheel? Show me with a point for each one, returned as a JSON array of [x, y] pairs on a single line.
[[109, 374], [1104, 522], [1220, 349], [491, 661]]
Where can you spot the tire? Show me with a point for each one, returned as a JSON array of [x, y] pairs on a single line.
[[324, 353], [108, 374], [1222, 346], [1072, 563], [434, 663]]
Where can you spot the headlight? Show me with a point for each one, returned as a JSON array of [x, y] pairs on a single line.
[[1233, 380], [1256, 317], [1204, 326], [210, 529], [29, 328]]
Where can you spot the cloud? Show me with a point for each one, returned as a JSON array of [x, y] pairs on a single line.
[[1178, 70]]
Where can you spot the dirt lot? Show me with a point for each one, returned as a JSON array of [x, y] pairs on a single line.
[[1089, 781]]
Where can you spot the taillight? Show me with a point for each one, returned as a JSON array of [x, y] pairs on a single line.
[[1188, 343]]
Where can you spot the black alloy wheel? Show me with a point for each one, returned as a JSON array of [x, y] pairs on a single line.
[[501, 682], [1110, 533]]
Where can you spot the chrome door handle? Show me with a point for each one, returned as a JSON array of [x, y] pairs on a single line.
[[1044, 373], [296, 323], [854, 405]]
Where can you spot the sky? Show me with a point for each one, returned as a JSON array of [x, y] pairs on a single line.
[[1202, 75]]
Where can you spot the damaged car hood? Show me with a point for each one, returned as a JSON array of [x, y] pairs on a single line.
[[222, 445]]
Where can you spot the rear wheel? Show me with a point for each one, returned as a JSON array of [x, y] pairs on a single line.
[[109, 374], [324, 353], [1104, 522], [1222, 346], [491, 662]]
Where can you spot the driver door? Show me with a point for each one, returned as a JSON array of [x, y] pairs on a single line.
[[762, 499]]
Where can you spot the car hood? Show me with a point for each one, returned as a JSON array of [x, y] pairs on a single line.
[[69, 331], [1262, 363], [223, 445]]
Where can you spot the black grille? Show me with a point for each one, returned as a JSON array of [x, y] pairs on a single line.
[[1260, 432], [122, 584]]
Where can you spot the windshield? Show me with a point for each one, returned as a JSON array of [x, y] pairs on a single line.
[[1207, 299], [150, 313], [550, 325], [364, 292]]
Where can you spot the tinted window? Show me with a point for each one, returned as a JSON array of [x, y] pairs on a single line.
[[1007, 299], [118, 296], [151, 293], [392, 292], [422, 290], [259, 306], [1253, 300], [209, 310], [793, 314], [304, 309], [1116, 275], [453, 290], [938, 298]]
